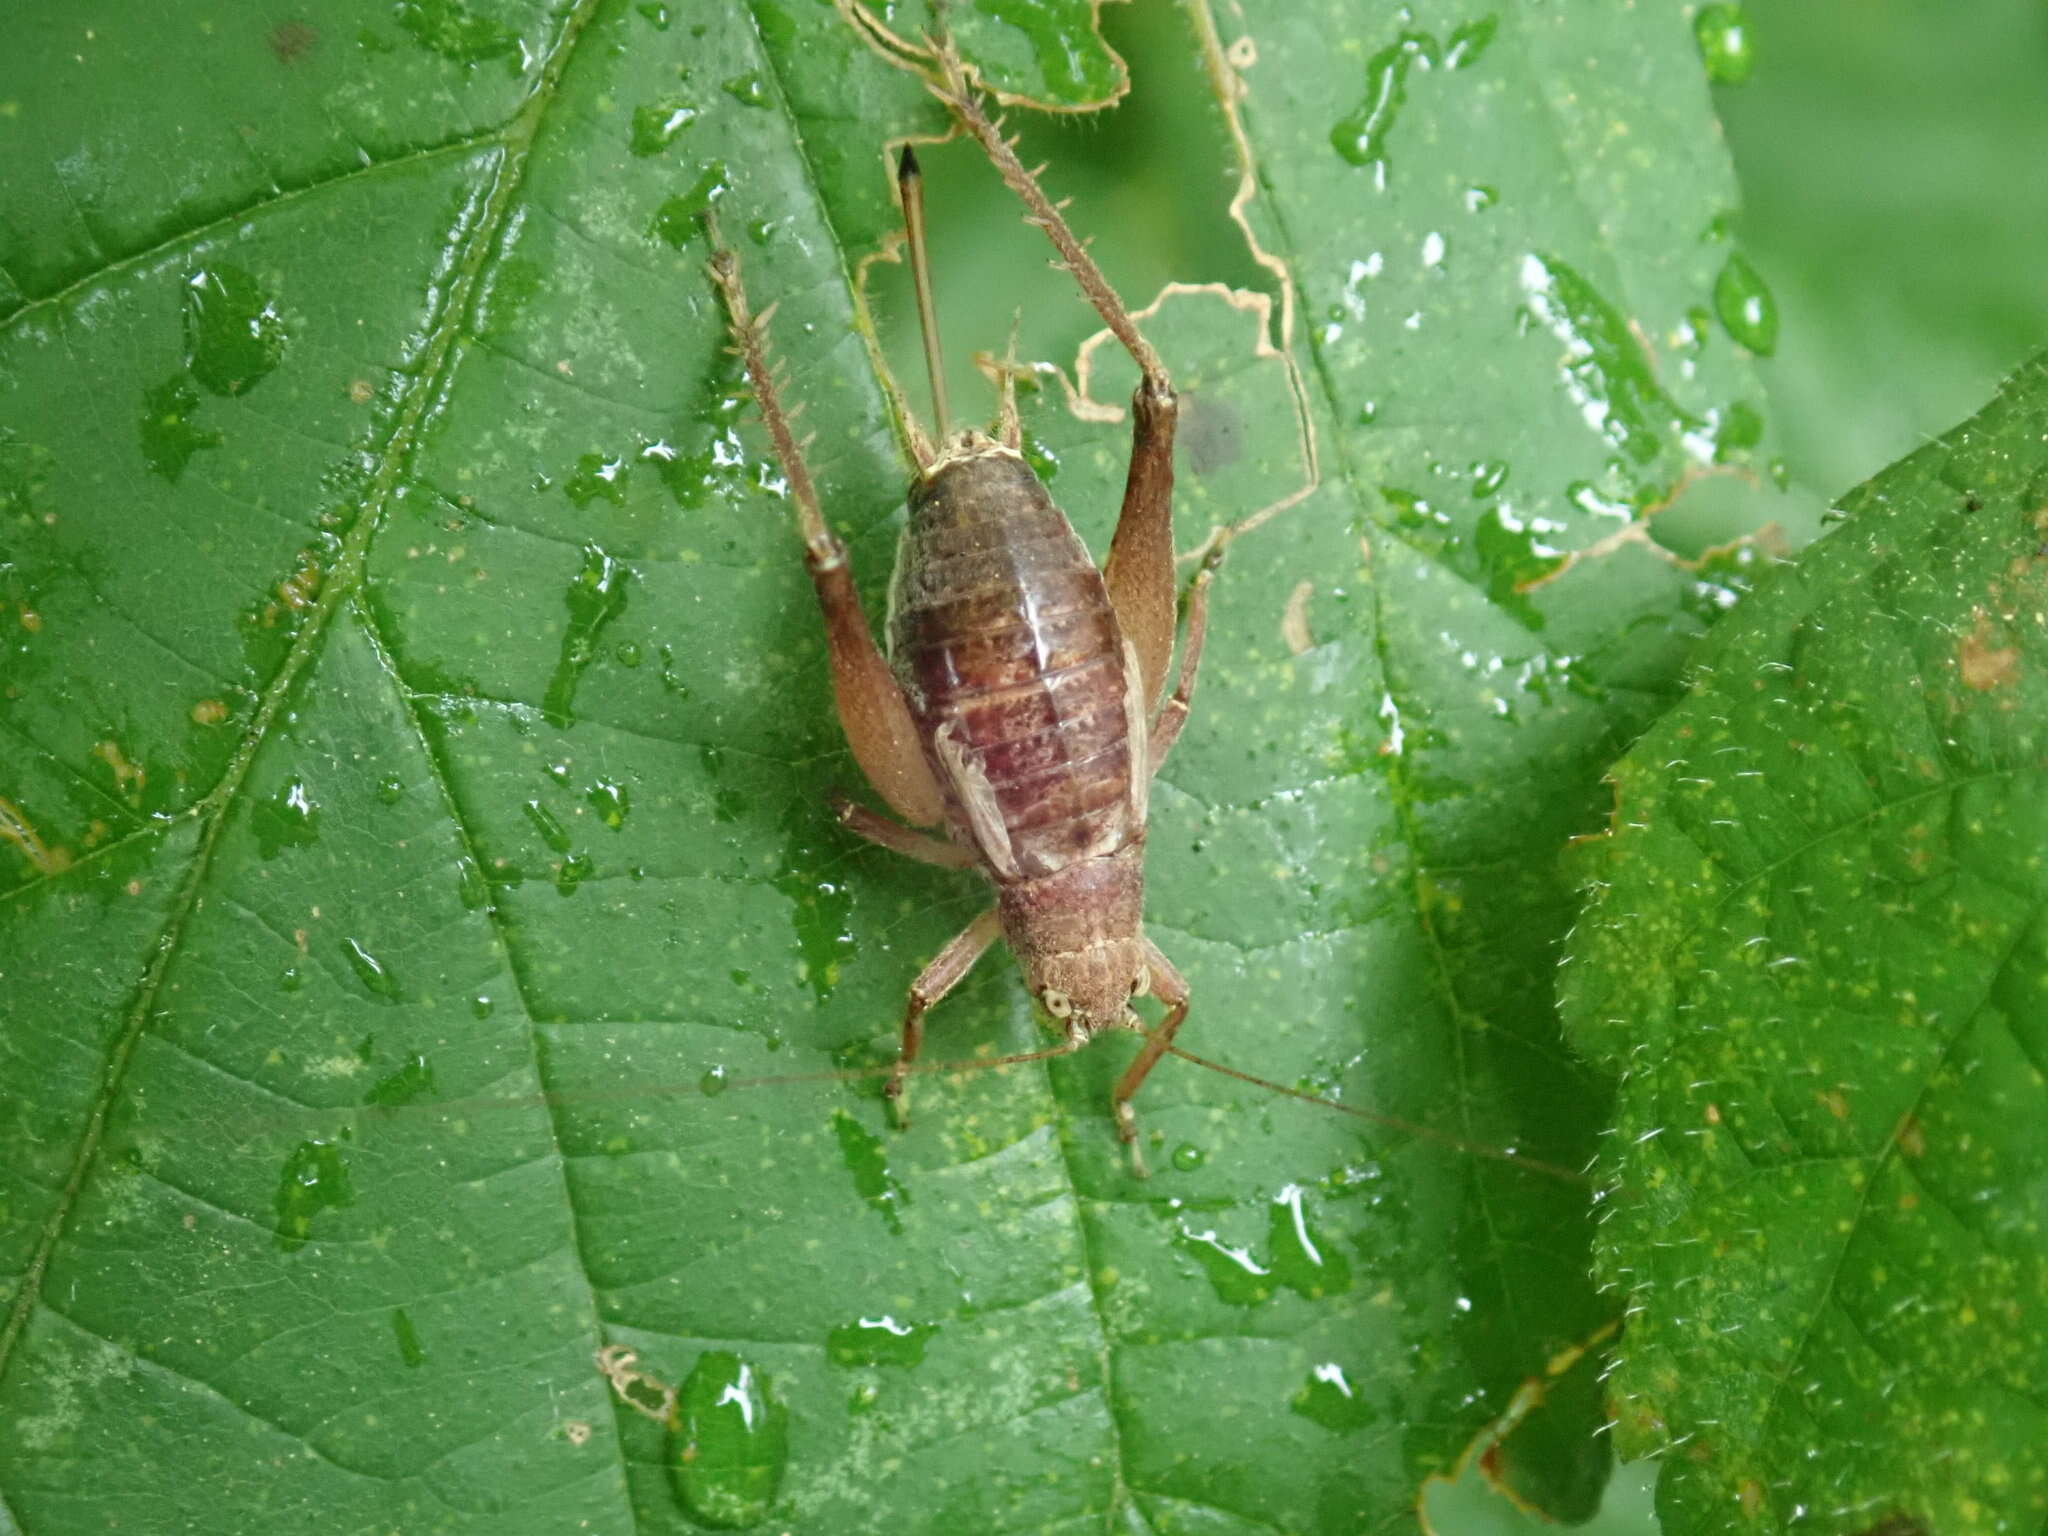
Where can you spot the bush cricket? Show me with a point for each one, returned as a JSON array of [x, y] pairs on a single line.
[[1019, 705]]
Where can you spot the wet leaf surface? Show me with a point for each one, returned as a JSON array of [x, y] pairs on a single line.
[[1818, 960], [419, 747]]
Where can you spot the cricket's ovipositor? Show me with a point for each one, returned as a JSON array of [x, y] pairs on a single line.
[[1023, 703]]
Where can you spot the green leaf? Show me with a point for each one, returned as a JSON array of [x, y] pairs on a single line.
[[419, 747], [1818, 958]]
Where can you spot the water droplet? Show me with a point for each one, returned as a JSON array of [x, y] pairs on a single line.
[[234, 334], [878, 1341], [370, 971], [1327, 1399], [867, 1160], [595, 475], [864, 1398], [1737, 430], [409, 1082], [611, 801], [470, 884], [1187, 1157], [1488, 476], [551, 831], [481, 1005], [408, 1337], [656, 124], [1723, 35], [169, 436], [454, 31], [572, 872], [1433, 249], [675, 221], [1469, 41], [288, 819], [315, 1179], [1515, 557], [1237, 1277], [762, 231], [1304, 1259], [1605, 369], [1479, 199], [1361, 137], [390, 790], [749, 90], [291, 979], [712, 1083], [1747, 310], [730, 1443], [596, 595], [627, 653]]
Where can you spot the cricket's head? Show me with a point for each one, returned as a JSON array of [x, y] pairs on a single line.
[[1089, 991], [1078, 936]]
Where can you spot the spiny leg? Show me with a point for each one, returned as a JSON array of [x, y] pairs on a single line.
[[936, 980], [884, 833], [1173, 714], [1139, 571], [1171, 988], [871, 707]]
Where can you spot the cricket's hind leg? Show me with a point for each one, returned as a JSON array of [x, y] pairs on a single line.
[[872, 709], [1139, 571]]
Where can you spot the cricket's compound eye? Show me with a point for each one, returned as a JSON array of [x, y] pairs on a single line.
[[1057, 1003], [1142, 982]]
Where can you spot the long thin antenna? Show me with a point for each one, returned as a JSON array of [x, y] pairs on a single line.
[[910, 183], [1392, 1122]]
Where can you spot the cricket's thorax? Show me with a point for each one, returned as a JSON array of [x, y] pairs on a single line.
[[1002, 635]]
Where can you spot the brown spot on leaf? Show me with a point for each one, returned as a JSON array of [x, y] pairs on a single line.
[[15, 828], [1983, 663], [1911, 1139], [292, 40], [209, 712]]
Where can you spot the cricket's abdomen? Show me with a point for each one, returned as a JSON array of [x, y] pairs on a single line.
[[1003, 636]]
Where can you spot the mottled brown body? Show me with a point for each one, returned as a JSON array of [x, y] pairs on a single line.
[[1016, 707], [1008, 650]]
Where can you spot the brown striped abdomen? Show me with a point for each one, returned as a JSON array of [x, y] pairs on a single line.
[[1002, 634]]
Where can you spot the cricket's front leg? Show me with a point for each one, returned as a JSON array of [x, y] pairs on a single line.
[[1171, 988], [872, 709], [932, 984]]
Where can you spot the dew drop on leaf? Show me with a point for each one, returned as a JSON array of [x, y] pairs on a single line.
[[234, 334], [730, 1444], [1747, 310], [315, 1179], [370, 971], [878, 1341], [1723, 35]]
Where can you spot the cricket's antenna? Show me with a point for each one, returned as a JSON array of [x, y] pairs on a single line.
[[910, 183]]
